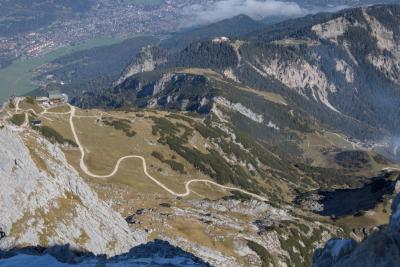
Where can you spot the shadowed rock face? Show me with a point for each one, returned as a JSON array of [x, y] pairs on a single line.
[[156, 253], [381, 248]]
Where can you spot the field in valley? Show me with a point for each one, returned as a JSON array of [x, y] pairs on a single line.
[[16, 78]]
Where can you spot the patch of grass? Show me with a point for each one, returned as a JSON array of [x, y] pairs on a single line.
[[40, 163], [353, 159], [328, 177], [122, 125], [30, 100], [209, 132], [176, 166], [53, 135], [180, 117], [18, 119], [163, 127], [381, 159], [10, 104]]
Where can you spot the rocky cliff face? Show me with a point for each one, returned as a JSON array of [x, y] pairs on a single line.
[[381, 248], [147, 60], [47, 203]]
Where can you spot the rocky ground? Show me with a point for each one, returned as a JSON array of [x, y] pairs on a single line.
[[50, 203]]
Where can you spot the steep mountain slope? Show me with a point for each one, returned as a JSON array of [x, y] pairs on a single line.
[[337, 65], [341, 69], [147, 60], [47, 203]]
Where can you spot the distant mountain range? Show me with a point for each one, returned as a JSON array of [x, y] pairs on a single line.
[[341, 68]]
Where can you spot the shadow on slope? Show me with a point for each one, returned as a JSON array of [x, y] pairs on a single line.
[[155, 253]]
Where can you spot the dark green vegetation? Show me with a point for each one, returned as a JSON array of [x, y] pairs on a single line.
[[328, 177], [232, 27], [265, 257], [206, 54], [11, 104], [30, 100], [352, 159], [296, 238], [121, 124], [299, 255], [125, 95], [264, 164], [18, 119], [211, 163], [176, 166], [53, 135]]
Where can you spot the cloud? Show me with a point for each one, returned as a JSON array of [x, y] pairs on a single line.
[[257, 9]]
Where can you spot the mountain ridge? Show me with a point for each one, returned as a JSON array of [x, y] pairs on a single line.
[[330, 69]]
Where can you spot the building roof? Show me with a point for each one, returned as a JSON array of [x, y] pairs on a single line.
[[42, 98], [56, 96]]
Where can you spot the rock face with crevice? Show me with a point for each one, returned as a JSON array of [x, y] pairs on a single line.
[[50, 204], [333, 29]]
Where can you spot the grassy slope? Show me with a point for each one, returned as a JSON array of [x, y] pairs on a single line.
[[132, 189]]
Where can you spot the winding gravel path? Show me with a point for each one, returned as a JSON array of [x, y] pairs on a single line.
[[86, 170], [163, 186]]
